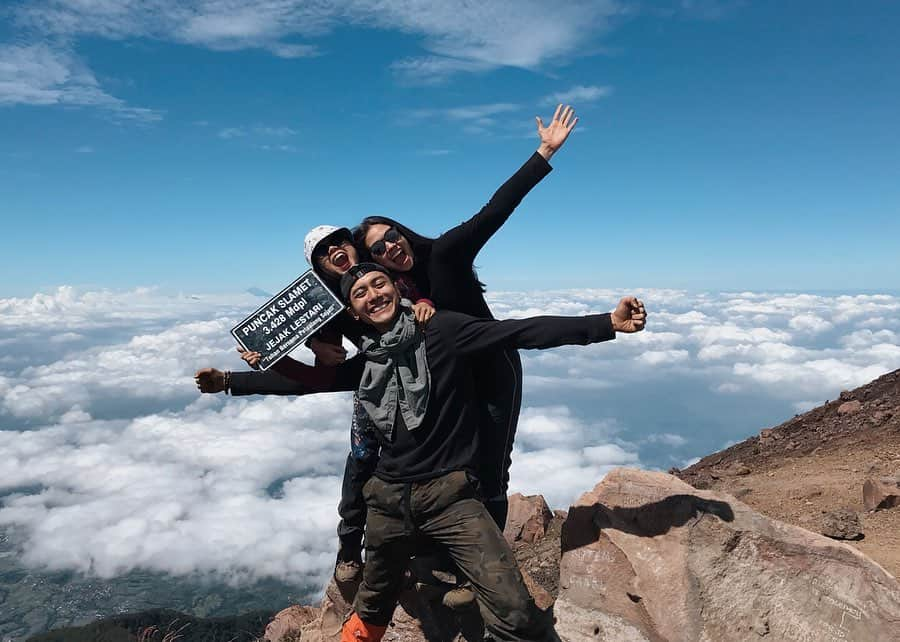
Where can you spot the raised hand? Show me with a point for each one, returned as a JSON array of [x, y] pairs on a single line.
[[630, 315], [555, 134]]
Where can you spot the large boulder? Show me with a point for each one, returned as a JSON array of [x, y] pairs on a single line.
[[842, 524], [645, 557], [527, 519], [881, 493], [287, 623]]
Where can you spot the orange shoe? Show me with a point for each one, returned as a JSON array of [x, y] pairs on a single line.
[[355, 630]]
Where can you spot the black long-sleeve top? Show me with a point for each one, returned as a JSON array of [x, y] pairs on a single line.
[[446, 274], [448, 438]]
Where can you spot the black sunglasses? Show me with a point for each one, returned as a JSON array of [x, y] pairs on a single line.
[[378, 248], [323, 246]]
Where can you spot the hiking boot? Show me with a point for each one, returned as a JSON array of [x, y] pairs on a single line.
[[355, 630], [459, 598], [346, 571]]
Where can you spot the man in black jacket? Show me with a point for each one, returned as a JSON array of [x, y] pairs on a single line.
[[417, 387]]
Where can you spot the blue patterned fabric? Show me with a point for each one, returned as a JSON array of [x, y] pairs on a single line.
[[363, 445]]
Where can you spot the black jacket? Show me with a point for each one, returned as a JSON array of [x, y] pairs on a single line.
[[448, 438], [445, 273]]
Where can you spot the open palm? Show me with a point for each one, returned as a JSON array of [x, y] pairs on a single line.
[[556, 133]]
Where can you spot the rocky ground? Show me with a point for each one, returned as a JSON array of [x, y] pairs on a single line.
[[818, 462]]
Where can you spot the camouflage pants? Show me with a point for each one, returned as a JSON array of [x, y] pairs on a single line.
[[446, 510]]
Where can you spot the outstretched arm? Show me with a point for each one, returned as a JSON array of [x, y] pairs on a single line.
[[470, 335], [463, 242], [256, 382]]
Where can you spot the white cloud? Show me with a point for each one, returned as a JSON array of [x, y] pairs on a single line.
[[729, 332], [472, 118], [433, 70], [278, 148], [562, 474], [182, 493], [667, 438], [259, 131], [38, 74], [578, 95], [811, 323], [456, 37], [656, 357], [278, 132], [867, 338], [231, 132], [136, 470], [808, 377]]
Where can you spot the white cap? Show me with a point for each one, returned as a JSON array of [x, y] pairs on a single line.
[[316, 235]]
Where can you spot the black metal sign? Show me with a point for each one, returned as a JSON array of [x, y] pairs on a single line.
[[288, 319]]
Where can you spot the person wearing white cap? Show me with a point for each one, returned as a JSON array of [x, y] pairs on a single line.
[[330, 252]]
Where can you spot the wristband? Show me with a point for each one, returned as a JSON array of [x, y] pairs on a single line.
[[228, 382]]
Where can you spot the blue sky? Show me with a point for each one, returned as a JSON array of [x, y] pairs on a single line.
[[191, 145]]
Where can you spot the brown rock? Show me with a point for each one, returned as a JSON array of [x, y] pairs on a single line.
[[737, 468], [849, 407], [542, 598], [768, 437], [287, 624], [881, 493], [646, 557], [842, 524], [528, 518]]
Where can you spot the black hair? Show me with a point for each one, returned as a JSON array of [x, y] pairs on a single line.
[[420, 246]]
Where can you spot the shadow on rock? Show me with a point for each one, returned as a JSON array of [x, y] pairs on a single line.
[[647, 520]]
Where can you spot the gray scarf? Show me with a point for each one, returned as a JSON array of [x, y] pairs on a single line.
[[396, 374]]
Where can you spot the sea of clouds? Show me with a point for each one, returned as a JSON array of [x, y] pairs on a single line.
[[112, 461]]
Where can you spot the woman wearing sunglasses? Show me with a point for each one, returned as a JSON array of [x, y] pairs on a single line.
[[331, 252], [443, 270]]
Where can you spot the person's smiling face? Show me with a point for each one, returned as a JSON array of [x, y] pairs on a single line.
[[374, 300], [389, 248]]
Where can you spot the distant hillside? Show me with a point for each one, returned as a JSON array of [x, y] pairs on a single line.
[[125, 628], [817, 462]]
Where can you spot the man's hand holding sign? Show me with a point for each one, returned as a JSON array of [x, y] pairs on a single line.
[[286, 321]]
